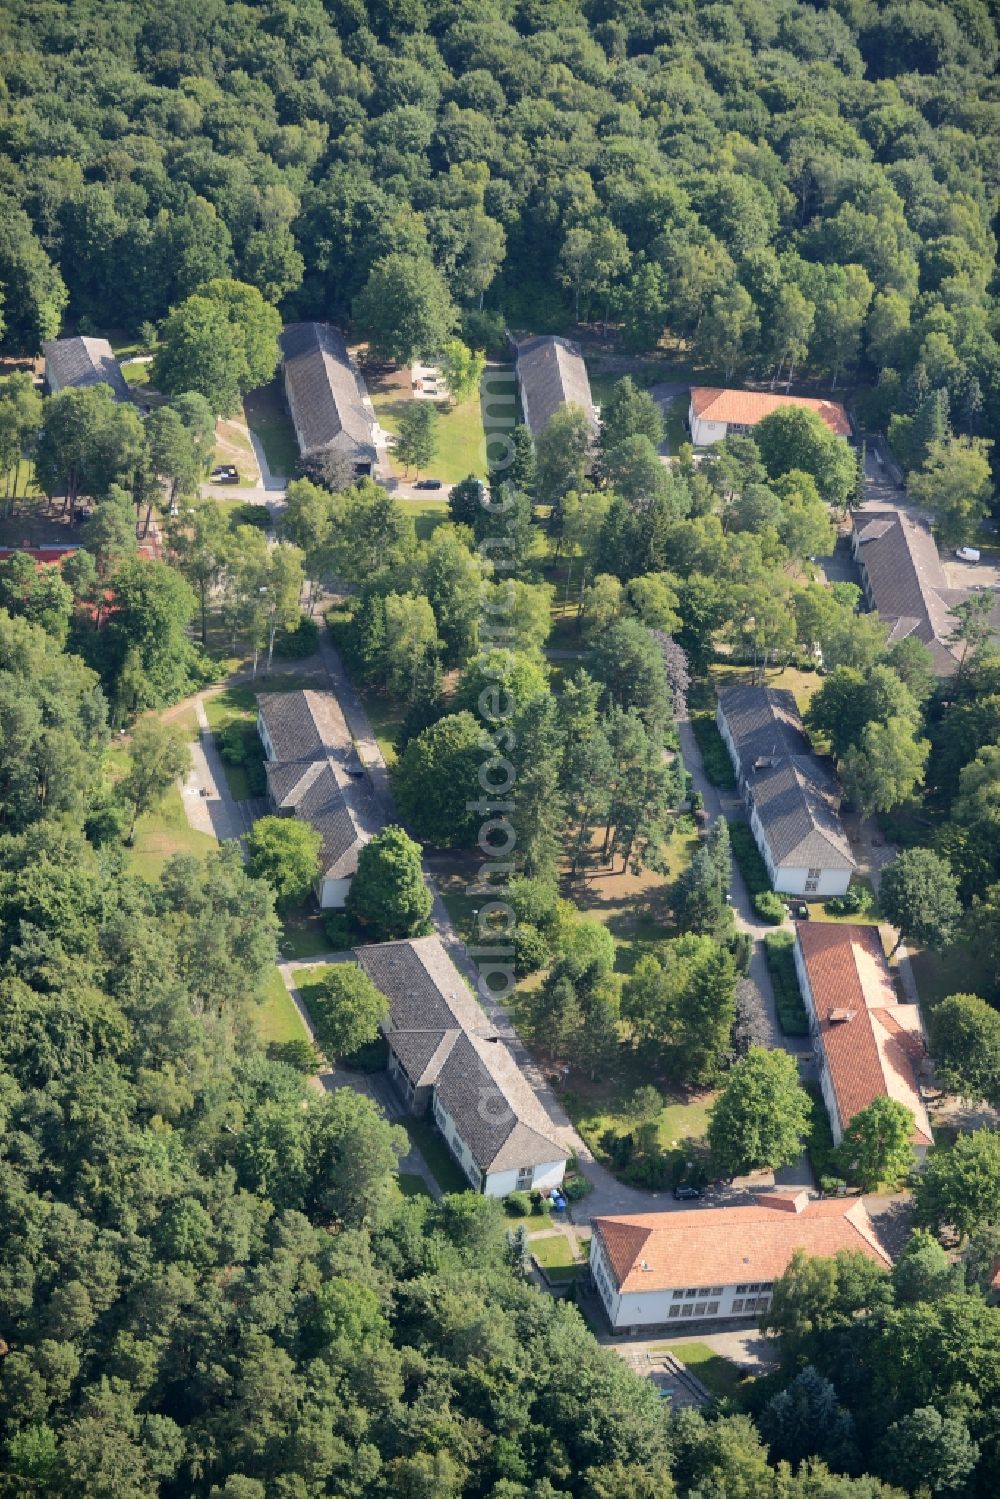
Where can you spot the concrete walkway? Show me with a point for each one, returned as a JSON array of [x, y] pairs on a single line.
[[208, 805]]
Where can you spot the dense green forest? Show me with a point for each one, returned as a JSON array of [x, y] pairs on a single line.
[[784, 186]]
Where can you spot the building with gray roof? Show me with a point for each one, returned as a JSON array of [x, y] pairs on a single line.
[[313, 773], [445, 1056], [551, 374], [905, 583], [328, 405], [81, 361], [792, 796]]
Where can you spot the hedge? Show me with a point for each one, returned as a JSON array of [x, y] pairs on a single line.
[[787, 995], [714, 756], [748, 859], [769, 907]]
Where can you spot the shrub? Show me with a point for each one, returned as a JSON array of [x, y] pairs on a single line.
[[540, 1205], [298, 1054], [231, 739], [857, 901], [740, 944], [531, 951], [517, 1204], [250, 515], [787, 995], [654, 1170], [575, 1187], [714, 755], [748, 858], [338, 931], [769, 907], [302, 641], [372, 1057]]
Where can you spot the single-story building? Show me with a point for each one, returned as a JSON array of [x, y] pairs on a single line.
[[83, 361], [792, 796], [313, 773], [904, 582], [328, 404], [445, 1057], [715, 413], [708, 1263], [551, 374], [868, 1044]]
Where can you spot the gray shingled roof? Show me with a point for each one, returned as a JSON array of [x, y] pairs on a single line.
[[323, 393], [83, 361], [315, 773], [796, 795], [909, 590], [443, 1037], [552, 374]]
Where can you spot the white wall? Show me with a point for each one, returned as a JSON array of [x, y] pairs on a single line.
[[793, 881], [676, 1306], [332, 894], [704, 433], [264, 738], [543, 1178]]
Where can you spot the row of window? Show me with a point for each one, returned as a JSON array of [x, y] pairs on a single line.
[[701, 1291], [751, 1304], [696, 1309]]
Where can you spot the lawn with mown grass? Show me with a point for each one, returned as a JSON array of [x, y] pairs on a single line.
[[555, 1255], [459, 437], [818, 910], [136, 371], [438, 1158], [267, 417], [276, 1019], [598, 1109], [162, 834], [720, 1376], [426, 515], [962, 969], [304, 934], [674, 422]]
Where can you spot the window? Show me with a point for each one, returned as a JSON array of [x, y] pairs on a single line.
[[678, 1295], [686, 1309], [691, 1294], [675, 1311], [524, 1176], [737, 1308], [701, 1309], [814, 874], [716, 1291], [812, 886], [741, 1290], [713, 1308]]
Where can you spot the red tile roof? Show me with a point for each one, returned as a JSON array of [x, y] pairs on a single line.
[[724, 1246], [748, 407], [870, 1042]]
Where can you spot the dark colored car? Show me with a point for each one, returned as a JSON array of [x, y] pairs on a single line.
[[428, 484], [686, 1193], [226, 473]]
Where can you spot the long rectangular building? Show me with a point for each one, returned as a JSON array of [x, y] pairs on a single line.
[[325, 397], [313, 773], [709, 1263], [445, 1058], [714, 413], [551, 374], [791, 795]]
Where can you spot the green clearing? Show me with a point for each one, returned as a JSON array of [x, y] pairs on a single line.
[[427, 514], [872, 917], [136, 371], [962, 969], [460, 440], [674, 417], [439, 1160], [413, 1186], [276, 1019], [555, 1255], [162, 834], [681, 1125], [720, 1376], [304, 934], [267, 417]]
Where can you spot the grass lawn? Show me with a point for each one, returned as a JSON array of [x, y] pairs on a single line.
[[412, 1186], [460, 439], [554, 1249], [443, 1167], [267, 417], [304, 934], [872, 917], [163, 833], [801, 684], [674, 417], [596, 1108], [720, 1376], [427, 514], [309, 981], [277, 1020], [962, 969]]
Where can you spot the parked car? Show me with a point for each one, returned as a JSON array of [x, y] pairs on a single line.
[[226, 473], [428, 484], [686, 1193], [968, 554]]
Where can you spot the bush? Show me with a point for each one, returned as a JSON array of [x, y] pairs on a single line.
[[654, 1171], [338, 931], [372, 1057], [250, 515], [298, 1054], [787, 995], [531, 951], [517, 1204], [575, 1187], [748, 858], [302, 641], [740, 944], [540, 1205], [714, 755], [858, 901], [239, 744], [769, 907], [823, 1153]]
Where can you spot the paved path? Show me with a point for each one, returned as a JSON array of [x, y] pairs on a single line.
[[271, 482], [207, 801]]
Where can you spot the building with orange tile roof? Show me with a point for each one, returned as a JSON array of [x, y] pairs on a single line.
[[869, 1045], [707, 1263], [715, 413]]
